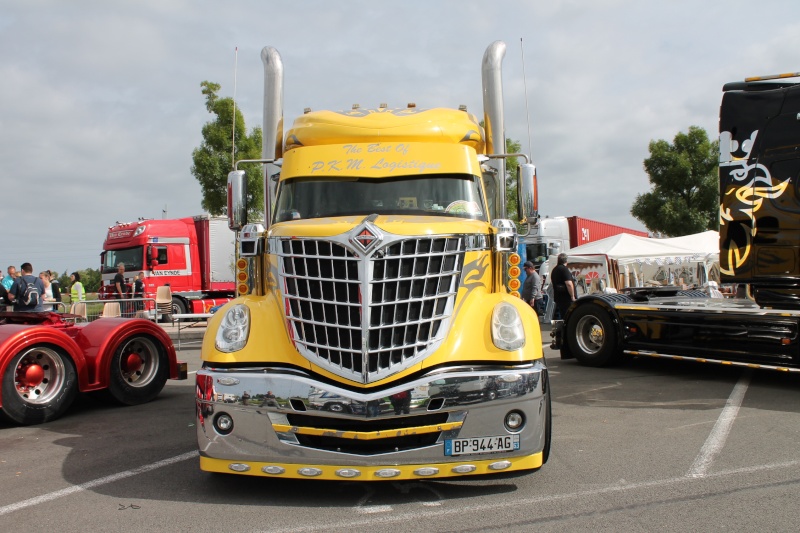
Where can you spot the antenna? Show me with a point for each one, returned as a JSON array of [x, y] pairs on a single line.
[[233, 133], [525, 85]]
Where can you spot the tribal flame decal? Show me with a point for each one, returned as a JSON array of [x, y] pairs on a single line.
[[754, 184], [472, 277]]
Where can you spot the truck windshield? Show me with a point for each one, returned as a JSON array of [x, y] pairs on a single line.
[[132, 257], [449, 195]]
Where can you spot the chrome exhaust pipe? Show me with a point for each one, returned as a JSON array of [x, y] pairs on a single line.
[[492, 78], [272, 129]]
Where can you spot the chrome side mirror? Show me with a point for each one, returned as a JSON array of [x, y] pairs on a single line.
[[237, 200], [527, 193]]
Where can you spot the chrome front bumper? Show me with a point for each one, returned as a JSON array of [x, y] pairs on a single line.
[[286, 417]]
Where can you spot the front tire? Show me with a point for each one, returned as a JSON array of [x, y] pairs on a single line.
[[139, 370], [592, 337], [39, 385]]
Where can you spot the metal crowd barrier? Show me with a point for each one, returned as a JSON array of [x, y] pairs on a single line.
[[125, 308], [58, 307]]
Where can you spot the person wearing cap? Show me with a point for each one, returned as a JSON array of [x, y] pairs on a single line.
[[563, 286], [532, 287]]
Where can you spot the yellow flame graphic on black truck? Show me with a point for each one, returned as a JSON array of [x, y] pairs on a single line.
[[741, 201]]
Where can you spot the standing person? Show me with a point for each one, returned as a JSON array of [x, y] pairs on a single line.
[[138, 291], [56, 289], [532, 288], [28, 291], [8, 281], [76, 292], [563, 285], [4, 300], [48, 289], [120, 287]]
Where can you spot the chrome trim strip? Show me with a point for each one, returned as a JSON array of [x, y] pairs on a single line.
[[647, 353]]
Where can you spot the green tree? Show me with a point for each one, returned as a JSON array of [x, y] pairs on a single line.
[[90, 278], [212, 159], [685, 194], [512, 147], [64, 281]]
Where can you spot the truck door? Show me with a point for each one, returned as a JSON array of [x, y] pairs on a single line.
[[172, 267]]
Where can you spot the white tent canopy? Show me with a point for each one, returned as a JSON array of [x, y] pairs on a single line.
[[706, 242], [627, 260], [627, 248]]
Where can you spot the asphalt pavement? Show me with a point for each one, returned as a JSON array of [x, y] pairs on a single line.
[[649, 445]]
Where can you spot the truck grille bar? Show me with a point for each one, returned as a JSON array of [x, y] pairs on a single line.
[[365, 309]]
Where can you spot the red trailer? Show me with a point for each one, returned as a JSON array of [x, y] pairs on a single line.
[[583, 231], [46, 359]]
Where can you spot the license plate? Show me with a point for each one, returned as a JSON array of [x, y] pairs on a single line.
[[476, 445]]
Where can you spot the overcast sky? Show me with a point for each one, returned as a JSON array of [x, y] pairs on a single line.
[[100, 102]]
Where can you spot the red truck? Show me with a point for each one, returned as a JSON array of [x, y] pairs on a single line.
[[46, 359], [558, 234], [193, 255]]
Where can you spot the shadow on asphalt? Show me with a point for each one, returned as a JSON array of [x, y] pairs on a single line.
[[644, 382], [105, 439]]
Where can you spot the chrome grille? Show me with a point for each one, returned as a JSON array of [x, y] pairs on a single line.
[[365, 316]]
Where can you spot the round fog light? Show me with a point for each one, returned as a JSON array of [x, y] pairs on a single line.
[[514, 421], [223, 423]]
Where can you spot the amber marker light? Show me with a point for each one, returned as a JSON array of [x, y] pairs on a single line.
[[241, 264], [514, 259], [513, 284]]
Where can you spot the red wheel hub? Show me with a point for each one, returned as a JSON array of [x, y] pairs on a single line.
[[133, 362], [31, 375]]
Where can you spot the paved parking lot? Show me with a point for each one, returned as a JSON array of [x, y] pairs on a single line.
[[649, 445]]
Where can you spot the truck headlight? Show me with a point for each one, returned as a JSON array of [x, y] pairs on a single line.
[[507, 331], [234, 329]]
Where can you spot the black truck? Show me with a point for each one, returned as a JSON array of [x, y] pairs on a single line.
[[759, 248]]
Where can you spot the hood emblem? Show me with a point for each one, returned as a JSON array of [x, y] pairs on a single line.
[[366, 237]]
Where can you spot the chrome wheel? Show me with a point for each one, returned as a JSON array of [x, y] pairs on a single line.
[[40, 376], [589, 334], [139, 362]]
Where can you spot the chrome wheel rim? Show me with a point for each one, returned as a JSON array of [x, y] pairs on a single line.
[[39, 376], [138, 362], [590, 334]]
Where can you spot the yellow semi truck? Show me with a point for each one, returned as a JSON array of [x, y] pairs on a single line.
[[378, 333]]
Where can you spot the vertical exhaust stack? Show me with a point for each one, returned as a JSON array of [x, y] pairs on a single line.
[[492, 78], [272, 129]]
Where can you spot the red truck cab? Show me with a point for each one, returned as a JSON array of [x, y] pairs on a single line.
[[193, 255]]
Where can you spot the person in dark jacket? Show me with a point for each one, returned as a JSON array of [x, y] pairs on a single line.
[[563, 285], [138, 291], [56, 287]]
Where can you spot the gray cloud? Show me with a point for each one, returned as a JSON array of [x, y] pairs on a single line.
[[100, 105]]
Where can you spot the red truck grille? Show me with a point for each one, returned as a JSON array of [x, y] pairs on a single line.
[[365, 316]]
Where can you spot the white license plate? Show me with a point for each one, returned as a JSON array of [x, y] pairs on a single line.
[[475, 445]]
